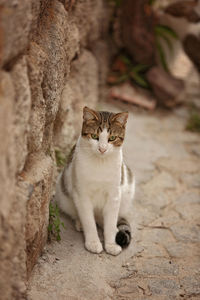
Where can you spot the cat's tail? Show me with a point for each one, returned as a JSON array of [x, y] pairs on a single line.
[[123, 236]]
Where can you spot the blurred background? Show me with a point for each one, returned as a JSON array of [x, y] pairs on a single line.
[[58, 56]]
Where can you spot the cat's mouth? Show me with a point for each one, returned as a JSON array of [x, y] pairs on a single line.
[[102, 154]]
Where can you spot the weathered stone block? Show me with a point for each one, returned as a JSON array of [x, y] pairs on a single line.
[[36, 60], [81, 89], [158, 266], [12, 203], [51, 37], [7, 151], [39, 175], [166, 286], [22, 107], [186, 234], [87, 15], [188, 198], [15, 24]]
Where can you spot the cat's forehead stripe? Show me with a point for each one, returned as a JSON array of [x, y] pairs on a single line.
[[105, 119]]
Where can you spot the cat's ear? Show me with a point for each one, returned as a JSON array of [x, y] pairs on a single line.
[[121, 118], [89, 114]]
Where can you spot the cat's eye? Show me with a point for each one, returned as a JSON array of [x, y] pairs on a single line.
[[94, 136], [112, 138]]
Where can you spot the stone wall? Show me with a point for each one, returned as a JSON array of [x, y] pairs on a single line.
[[49, 71]]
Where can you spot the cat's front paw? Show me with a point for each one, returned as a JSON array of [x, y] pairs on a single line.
[[113, 249], [94, 246]]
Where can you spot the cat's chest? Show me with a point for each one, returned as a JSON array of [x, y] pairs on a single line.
[[100, 173]]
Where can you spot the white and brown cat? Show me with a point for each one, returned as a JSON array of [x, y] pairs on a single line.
[[96, 186]]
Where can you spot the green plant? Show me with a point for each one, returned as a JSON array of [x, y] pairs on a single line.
[[60, 158], [116, 2], [137, 73], [193, 123], [165, 33], [151, 2], [55, 223], [127, 70]]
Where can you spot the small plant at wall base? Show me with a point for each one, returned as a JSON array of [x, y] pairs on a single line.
[[193, 123], [55, 223], [60, 158]]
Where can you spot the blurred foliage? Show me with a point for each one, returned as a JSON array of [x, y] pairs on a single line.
[[165, 33], [138, 75], [151, 2], [124, 69], [116, 2], [193, 123], [55, 223]]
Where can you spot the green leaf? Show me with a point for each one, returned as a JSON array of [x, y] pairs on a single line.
[[163, 30], [151, 2], [58, 238], [122, 78], [57, 210], [50, 227], [140, 80], [60, 158], [57, 223], [140, 68], [194, 122], [63, 225], [126, 60], [168, 42], [54, 221], [116, 2], [51, 209], [161, 54]]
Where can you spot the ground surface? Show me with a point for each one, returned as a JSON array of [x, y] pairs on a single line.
[[163, 260]]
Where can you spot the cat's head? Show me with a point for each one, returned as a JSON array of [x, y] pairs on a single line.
[[102, 131]]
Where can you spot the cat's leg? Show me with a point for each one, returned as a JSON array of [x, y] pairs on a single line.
[[110, 214], [86, 215], [78, 225]]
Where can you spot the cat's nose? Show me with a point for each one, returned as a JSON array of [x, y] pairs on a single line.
[[102, 149]]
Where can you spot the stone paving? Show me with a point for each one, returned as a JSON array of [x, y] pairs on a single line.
[[163, 260]]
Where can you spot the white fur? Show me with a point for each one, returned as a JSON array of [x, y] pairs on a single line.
[[96, 194]]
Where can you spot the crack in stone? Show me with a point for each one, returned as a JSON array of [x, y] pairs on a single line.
[[145, 292], [160, 227]]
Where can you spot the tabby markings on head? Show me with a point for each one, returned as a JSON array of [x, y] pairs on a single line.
[[94, 122]]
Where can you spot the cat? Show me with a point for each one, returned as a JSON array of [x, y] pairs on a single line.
[[96, 186]]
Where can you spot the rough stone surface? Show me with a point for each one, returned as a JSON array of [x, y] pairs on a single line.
[[15, 26], [12, 215], [39, 174], [43, 56], [22, 106], [163, 260], [81, 89], [166, 88]]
